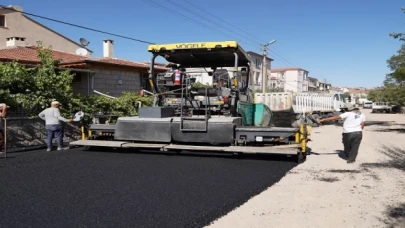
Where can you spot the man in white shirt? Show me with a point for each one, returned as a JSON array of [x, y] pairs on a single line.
[[53, 125], [353, 126]]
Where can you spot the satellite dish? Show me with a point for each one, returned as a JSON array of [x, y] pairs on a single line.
[[81, 51], [84, 42]]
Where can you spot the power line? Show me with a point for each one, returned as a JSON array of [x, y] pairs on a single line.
[[207, 19], [247, 33], [74, 25], [134, 39], [285, 61], [191, 19], [222, 20], [167, 8]]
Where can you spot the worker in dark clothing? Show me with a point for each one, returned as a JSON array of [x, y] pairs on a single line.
[[353, 126]]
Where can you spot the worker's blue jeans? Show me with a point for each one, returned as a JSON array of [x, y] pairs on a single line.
[[54, 130]]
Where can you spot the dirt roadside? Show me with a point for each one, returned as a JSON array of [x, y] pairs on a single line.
[[325, 191]]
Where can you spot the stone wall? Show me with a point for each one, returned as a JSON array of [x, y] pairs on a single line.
[[29, 133], [111, 79], [114, 82]]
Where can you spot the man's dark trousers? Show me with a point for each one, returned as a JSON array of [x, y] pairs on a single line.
[[54, 130], [351, 143]]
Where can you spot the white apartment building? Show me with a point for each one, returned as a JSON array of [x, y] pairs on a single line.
[[290, 79], [257, 70]]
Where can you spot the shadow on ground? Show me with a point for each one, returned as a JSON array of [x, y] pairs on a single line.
[[377, 123], [396, 160], [395, 216], [340, 153], [394, 130]]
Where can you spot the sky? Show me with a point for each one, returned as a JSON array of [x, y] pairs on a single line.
[[345, 42]]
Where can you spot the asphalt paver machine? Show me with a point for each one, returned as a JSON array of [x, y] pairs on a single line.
[[221, 118]]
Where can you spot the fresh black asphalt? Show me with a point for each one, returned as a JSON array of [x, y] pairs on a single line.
[[77, 188]]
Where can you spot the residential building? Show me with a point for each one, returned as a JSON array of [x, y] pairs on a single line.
[[257, 70], [290, 79], [324, 86], [106, 75], [19, 29], [337, 89], [313, 84], [358, 93]]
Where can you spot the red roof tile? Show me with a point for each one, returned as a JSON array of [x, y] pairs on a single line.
[[29, 54], [357, 91]]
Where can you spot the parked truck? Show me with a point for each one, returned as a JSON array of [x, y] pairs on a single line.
[[289, 106], [381, 107]]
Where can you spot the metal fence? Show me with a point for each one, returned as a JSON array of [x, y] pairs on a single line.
[[23, 133]]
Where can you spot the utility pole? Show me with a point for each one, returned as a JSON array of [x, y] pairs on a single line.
[[264, 65]]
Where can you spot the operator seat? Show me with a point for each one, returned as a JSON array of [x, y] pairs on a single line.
[[221, 77]]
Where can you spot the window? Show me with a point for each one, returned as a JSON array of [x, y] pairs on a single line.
[[77, 77], [2, 21], [336, 97], [258, 63], [257, 78], [144, 81]]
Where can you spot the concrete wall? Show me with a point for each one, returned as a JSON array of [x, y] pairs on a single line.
[[21, 26], [29, 133]]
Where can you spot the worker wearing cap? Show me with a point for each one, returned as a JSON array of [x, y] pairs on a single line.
[[3, 114], [353, 126], [53, 124]]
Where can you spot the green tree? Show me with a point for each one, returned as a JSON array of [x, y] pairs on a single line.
[[393, 90], [346, 94], [35, 87], [397, 62]]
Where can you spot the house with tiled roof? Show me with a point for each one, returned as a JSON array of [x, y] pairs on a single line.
[[107, 75], [19, 35]]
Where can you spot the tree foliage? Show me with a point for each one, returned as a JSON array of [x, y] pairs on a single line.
[[389, 93], [199, 85], [397, 62], [125, 105], [35, 87], [393, 90]]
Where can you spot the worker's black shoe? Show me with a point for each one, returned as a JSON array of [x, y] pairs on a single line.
[[351, 161]]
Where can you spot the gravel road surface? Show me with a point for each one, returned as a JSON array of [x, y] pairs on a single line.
[[76, 188], [325, 191]]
